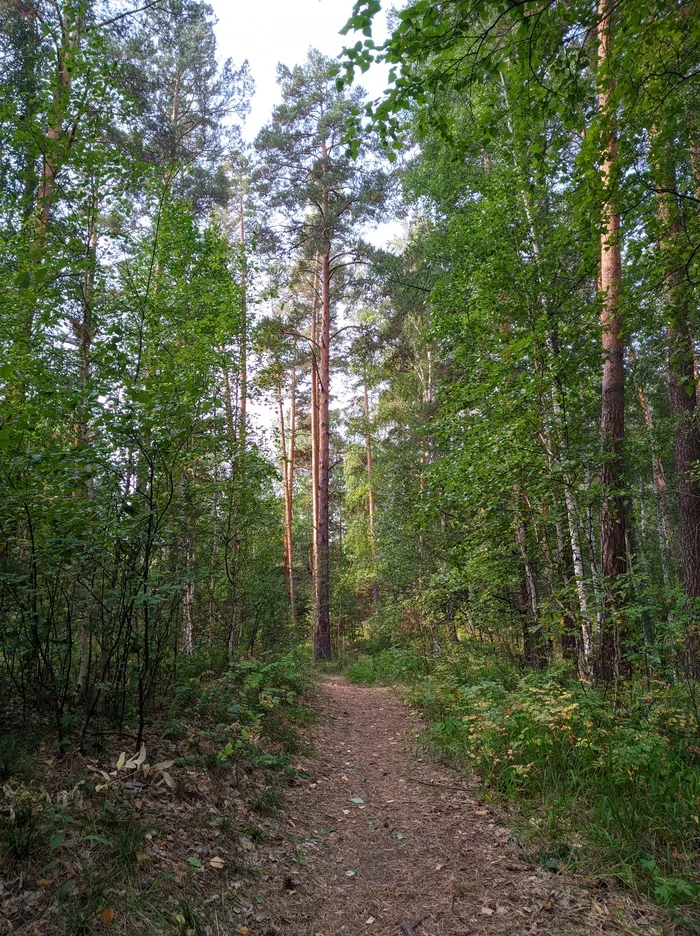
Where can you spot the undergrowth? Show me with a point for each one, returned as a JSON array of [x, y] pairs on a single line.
[[611, 786], [104, 840]]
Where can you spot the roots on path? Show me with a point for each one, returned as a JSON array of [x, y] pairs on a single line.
[[383, 841]]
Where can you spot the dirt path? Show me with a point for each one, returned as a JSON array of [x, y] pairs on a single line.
[[378, 835]]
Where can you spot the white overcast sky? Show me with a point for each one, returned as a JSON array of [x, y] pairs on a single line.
[[270, 31]]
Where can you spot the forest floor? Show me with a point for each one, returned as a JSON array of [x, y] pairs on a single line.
[[379, 835], [361, 833]]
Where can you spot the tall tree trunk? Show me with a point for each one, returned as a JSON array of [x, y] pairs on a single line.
[[243, 347], [665, 531], [684, 403], [534, 651], [188, 606], [612, 519], [287, 450], [314, 436], [322, 631], [290, 487], [83, 330], [213, 556], [370, 492]]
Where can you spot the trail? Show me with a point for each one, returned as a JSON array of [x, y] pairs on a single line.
[[379, 834]]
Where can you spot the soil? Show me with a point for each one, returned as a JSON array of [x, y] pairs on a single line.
[[382, 840]]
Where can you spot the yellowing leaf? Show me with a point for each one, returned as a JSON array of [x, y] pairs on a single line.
[[163, 765], [122, 760], [107, 916]]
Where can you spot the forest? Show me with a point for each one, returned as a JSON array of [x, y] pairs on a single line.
[[243, 447]]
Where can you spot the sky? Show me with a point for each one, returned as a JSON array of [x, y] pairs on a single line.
[[270, 31]]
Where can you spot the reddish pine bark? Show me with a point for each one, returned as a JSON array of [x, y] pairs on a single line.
[[612, 520]]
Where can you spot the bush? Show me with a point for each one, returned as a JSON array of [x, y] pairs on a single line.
[[362, 671], [252, 702], [398, 665], [623, 779]]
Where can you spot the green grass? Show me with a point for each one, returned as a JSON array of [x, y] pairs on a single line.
[[15, 762]]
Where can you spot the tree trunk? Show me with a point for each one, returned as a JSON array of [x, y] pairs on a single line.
[[370, 494], [665, 531], [534, 651], [612, 519], [83, 331], [314, 438], [322, 630], [287, 451], [243, 347], [683, 404], [188, 607]]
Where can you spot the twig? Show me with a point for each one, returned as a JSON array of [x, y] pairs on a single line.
[[443, 786], [410, 928]]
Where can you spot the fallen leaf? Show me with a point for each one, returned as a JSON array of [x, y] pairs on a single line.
[[121, 761], [216, 862], [141, 857], [439, 867], [487, 911], [481, 812], [244, 931], [350, 873], [357, 800], [246, 843], [369, 920], [46, 882], [107, 916], [163, 765], [346, 812]]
